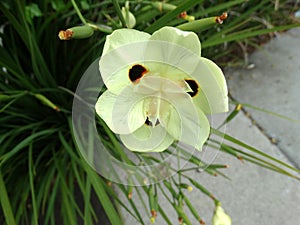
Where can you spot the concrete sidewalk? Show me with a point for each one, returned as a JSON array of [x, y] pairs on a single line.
[[274, 84], [256, 196]]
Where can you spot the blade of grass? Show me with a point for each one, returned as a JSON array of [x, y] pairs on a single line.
[[11, 102], [138, 217], [14, 69], [237, 22], [244, 35], [67, 210], [38, 62], [218, 8], [5, 203], [119, 12], [266, 111], [108, 207], [257, 160], [248, 147], [113, 194], [25, 142], [49, 178], [31, 178], [87, 196], [49, 216], [232, 115], [66, 187], [134, 207], [99, 188], [21, 202], [253, 159]]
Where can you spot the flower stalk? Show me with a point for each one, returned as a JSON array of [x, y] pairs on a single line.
[[192, 209], [46, 102], [204, 190], [78, 12]]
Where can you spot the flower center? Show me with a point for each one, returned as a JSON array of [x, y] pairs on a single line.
[[149, 123], [154, 105]]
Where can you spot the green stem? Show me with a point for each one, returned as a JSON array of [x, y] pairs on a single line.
[[192, 209], [102, 28], [119, 12], [78, 12], [204, 190]]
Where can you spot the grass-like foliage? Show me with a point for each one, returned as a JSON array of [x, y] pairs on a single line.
[[43, 179]]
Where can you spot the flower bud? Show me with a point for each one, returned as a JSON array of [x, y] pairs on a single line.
[[152, 220], [186, 186], [161, 6], [187, 17], [202, 24], [46, 102], [220, 217], [78, 32], [129, 187], [129, 17], [4, 97]]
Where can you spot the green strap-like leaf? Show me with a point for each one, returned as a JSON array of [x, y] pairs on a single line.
[[119, 12], [108, 207], [5, 203], [246, 34], [250, 148]]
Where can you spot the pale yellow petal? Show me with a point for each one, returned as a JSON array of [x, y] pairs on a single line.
[[148, 139]]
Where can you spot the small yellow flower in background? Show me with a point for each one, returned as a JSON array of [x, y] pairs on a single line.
[[220, 217], [159, 89]]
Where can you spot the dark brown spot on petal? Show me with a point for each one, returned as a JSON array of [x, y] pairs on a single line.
[[136, 72], [194, 86], [149, 123]]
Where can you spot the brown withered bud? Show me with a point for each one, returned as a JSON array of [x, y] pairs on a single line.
[[153, 213], [180, 219], [202, 222], [220, 19], [65, 34], [183, 14]]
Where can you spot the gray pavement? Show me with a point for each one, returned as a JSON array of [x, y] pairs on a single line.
[[256, 196], [274, 84]]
